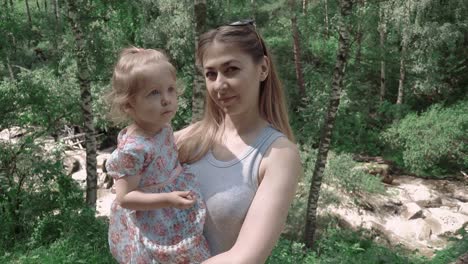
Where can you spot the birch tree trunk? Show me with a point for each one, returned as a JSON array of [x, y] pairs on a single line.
[[359, 34], [404, 45], [198, 92], [325, 138], [83, 75], [327, 30], [253, 6], [382, 30], [297, 50]]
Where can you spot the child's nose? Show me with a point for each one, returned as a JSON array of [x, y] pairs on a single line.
[[166, 99]]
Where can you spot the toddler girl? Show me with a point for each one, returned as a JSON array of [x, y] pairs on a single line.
[[158, 214]]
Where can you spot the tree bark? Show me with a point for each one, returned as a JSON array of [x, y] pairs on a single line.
[[253, 6], [404, 45], [325, 138], [327, 31], [198, 92], [10, 70], [56, 14], [29, 14], [297, 51], [382, 30], [359, 34], [305, 4], [83, 75]]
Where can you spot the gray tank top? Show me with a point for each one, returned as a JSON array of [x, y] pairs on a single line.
[[228, 188]]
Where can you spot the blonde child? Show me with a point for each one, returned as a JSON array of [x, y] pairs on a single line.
[[158, 214]]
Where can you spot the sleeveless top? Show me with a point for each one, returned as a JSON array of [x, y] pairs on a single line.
[[228, 188]]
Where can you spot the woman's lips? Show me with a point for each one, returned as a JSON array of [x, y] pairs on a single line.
[[226, 100]]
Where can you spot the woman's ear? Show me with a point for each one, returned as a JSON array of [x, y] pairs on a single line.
[[264, 68]]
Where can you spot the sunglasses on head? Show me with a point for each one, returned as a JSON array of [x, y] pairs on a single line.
[[249, 22]]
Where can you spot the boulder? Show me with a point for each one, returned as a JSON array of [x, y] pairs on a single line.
[[412, 211], [463, 208]]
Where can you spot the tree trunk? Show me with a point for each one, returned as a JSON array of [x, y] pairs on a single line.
[[404, 45], [10, 70], [83, 75], [29, 14], [38, 6], [45, 6], [253, 5], [198, 92], [325, 138], [297, 51], [359, 35], [382, 30], [56, 14], [305, 4], [326, 20]]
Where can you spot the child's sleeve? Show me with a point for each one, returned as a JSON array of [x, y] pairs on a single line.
[[125, 162]]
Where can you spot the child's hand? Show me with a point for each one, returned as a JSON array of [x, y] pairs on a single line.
[[181, 199]]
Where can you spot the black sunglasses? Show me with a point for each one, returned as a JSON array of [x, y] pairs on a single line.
[[249, 22]]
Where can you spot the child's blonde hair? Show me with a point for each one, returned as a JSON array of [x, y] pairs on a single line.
[[128, 77]]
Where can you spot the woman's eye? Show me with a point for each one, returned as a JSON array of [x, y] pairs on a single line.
[[210, 75], [231, 69], [172, 89]]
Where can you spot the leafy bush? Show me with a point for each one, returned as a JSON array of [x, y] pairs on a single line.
[[434, 142], [340, 173]]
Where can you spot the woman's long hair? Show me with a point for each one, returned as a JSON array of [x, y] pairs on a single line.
[[272, 104]]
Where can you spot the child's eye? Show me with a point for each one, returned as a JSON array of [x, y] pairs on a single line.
[[172, 89], [154, 92]]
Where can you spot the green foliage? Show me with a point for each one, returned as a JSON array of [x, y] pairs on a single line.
[[83, 239], [458, 247], [291, 252], [344, 246], [433, 143], [35, 192], [341, 172]]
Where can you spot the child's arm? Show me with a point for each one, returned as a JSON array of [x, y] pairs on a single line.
[[128, 196]]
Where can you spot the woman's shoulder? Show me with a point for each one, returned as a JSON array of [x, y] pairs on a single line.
[[183, 132]]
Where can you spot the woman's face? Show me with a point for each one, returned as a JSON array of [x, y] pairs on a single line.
[[232, 78]]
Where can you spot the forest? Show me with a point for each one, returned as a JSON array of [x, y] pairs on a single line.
[[377, 96]]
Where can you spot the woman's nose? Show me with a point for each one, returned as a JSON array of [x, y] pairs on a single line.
[[220, 83]]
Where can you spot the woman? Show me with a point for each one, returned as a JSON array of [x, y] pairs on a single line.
[[242, 151]]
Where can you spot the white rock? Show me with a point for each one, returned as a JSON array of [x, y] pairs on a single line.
[[412, 211]]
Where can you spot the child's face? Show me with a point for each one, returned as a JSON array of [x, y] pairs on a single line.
[[155, 103]]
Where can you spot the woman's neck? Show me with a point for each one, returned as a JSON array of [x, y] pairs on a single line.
[[243, 124]]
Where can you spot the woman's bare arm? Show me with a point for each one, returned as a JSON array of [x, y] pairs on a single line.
[[281, 168]]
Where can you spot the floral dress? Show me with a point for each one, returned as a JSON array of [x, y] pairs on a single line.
[[165, 235]]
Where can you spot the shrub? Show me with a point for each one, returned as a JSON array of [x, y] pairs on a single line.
[[434, 142]]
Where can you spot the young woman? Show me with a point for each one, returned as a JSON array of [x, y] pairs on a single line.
[[243, 150]]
